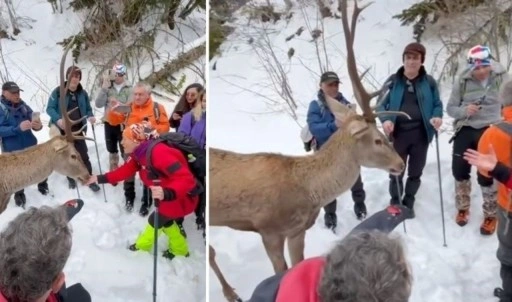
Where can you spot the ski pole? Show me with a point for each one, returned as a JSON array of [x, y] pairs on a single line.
[[155, 246], [98, 156], [440, 187], [400, 196]]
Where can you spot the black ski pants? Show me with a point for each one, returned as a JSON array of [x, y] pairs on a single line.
[[113, 138], [412, 146], [467, 137], [81, 147]]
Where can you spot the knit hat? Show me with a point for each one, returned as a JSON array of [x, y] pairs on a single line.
[[415, 48], [140, 132], [505, 96], [479, 56]]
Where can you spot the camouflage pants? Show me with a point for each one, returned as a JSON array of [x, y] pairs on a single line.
[[463, 199]]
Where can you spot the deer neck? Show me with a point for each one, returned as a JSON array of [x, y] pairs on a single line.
[[332, 170], [28, 167]]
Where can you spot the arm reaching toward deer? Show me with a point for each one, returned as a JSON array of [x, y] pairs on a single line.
[[127, 170]]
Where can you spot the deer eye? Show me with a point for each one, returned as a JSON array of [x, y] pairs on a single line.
[[378, 142], [73, 156]]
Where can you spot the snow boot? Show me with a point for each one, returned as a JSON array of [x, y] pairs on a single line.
[[71, 183], [488, 226], [129, 205], [43, 188], [331, 220], [20, 199], [360, 210], [490, 197], [113, 161], [462, 200], [462, 217], [408, 201]]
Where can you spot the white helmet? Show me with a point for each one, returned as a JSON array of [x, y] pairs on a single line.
[[119, 69]]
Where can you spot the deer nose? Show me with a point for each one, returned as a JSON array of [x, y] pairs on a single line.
[[402, 166]]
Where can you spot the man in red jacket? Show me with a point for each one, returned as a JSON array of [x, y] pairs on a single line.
[[175, 189], [367, 265]]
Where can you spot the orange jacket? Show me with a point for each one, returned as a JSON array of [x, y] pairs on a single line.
[[502, 144], [137, 115]]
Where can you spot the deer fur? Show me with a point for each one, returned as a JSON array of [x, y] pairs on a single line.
[[280, 196], [21, 169]]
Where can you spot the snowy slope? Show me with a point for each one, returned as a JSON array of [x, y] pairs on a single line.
[[102, 231], [465, 270]]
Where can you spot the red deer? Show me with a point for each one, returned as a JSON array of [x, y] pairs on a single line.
[[21, 169], [280, 196]]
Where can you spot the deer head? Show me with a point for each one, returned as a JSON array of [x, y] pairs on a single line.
[[70, 163], [373, 148]]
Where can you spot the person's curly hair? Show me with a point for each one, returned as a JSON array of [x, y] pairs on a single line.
[[366, 267]]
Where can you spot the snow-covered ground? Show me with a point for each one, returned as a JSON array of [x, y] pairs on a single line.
[[102, 231], [240, 120]]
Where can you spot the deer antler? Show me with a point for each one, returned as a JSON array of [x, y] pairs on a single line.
[[363, 97], [68, 123]]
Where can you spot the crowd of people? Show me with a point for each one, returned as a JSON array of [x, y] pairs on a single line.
[[133, 122], [480, 104]]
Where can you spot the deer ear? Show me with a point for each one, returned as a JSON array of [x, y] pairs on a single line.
[[59, 145], [336, 106], [357, 128]]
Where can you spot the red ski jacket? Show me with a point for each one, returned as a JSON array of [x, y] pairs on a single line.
[[51, 298], [175, 177]]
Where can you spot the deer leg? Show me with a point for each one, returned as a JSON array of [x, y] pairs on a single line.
[[4, 201], [227, 290], [274, 245], [296, 247]]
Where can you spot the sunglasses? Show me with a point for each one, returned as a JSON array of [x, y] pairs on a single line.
[[120, 74], [333, 84]]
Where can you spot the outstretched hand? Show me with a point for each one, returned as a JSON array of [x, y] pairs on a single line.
[[91, 180], [482, 161]]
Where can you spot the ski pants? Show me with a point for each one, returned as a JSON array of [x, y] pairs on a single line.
[[412, 146], [467, 137], [178, 245], [113, 138]]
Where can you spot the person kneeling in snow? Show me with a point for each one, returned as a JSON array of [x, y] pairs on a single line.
[[34, 249], [175, 190], [367, 265]]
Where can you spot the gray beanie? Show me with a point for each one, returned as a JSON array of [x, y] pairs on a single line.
[[506, 93]]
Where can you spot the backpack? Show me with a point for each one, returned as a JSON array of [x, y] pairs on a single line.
[[195, 155], [305, 134]]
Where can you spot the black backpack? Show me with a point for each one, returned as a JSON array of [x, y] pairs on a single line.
[[195, 155]]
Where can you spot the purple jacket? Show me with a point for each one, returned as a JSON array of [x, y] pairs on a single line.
[[197, 130]]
